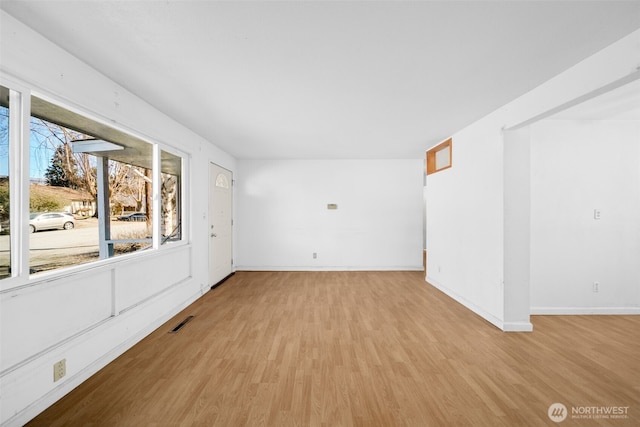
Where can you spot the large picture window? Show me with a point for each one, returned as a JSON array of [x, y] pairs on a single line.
[[91, 190], [74, 190]]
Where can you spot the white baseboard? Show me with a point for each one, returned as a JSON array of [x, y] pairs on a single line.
[[517, 326], [585, 310], [473, 307], [329, 268]]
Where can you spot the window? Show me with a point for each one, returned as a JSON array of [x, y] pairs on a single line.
[[5, 224], [92, 191], [221, 181], [95, 184], [58, 180], [439, 157], [170, 191]]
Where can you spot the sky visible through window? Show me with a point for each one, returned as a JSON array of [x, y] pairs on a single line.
[[40, 151]]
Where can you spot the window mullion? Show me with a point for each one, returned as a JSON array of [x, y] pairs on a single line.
[[19, 182], [156, 206]]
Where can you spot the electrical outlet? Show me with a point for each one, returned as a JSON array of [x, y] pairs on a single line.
[[315, 255], [596, 286], [59, 370]]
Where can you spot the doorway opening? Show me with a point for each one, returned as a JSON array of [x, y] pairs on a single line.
[[581, 227]]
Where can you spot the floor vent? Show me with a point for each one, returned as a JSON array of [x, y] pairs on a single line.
[[181, 325]]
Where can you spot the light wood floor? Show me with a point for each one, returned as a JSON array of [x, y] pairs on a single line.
[[357, 348]]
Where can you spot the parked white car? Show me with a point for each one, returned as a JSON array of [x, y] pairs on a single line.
[[51, 220]]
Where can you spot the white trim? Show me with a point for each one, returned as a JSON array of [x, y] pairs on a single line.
[[156, 202], [327, 268], [185, 205], [585, 310], [19, 158], [468, 304], [19, 112], [633, 76], [499, 323], [51, 278], [517, 327]]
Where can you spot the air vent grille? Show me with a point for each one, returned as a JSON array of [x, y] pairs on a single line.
[[181, 325]]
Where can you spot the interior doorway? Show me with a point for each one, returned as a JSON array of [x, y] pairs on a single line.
[[220, 223], [571, 230]]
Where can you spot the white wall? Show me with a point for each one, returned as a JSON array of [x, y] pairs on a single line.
[[579, 166], [283, 217], [517, 228], [465, 204], [89, 315], [464, 222]]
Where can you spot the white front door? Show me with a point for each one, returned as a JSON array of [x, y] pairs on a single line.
[[220, 223]]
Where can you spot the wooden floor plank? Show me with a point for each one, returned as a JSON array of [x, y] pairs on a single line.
[[357, 349]]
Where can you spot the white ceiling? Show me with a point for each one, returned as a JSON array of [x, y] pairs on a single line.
[[329, 79]]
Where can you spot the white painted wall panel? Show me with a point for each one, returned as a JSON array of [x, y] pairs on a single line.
[[29, 388], [464, 222], [40, 316], [283, 217], [142, 279], [577, 167]]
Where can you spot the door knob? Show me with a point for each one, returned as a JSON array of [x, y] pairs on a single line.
[[214, 235]]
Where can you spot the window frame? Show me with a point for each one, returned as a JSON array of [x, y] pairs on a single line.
[[183, 196], [431, 163], [18, 186]]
